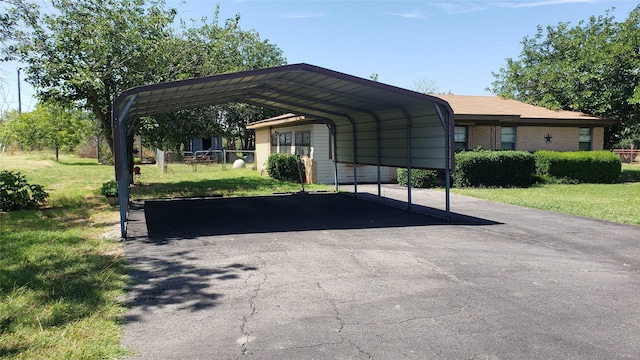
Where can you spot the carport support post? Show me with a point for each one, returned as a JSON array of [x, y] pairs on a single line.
[[445, 120], [409, 158], [122, 161], [335, 157]]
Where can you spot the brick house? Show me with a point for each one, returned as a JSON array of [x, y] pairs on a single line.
[[489, 122]]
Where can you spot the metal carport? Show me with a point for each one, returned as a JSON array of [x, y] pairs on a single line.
[[372, 123]]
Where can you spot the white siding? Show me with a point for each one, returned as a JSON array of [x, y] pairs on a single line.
[[324, 166]]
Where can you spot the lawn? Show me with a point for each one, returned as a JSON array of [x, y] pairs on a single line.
[[181, 180], [618, 202], [62, 271]]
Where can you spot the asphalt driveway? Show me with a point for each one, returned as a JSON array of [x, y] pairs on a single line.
[[328, 276]]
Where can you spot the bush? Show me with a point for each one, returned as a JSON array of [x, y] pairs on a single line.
[[285, 167], [16, 193], [579, 166], [109, 188], [420, 178], [494, 168]]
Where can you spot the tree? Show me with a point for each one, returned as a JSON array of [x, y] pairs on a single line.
[[14, 16], [89, 51], [50, 126], [593, 67], [425, 86], [170, 131]]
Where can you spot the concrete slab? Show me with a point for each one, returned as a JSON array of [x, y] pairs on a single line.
[[328, 276]]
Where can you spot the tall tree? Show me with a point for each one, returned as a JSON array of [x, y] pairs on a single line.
[[15, 16], [425, 86], [593, 67], [89, 51], [203, 48]]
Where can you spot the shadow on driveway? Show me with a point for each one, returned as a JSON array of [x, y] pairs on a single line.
[[192, 218]]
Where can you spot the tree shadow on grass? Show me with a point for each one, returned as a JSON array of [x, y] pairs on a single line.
[[629, 175]]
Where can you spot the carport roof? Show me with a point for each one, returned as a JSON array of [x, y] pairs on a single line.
[[341, 100], [301, 88]]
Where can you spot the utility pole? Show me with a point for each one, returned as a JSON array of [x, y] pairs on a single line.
[[19, 99]]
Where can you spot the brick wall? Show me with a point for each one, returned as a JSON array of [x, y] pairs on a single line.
[[531, 138]]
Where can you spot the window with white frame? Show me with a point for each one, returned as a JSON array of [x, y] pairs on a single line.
[[303, 143], [585, 139], [508, 138], [460, 138], [281, 142]]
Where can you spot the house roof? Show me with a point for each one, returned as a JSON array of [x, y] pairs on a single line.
[[280, 120], [494, 108], [481, 109]]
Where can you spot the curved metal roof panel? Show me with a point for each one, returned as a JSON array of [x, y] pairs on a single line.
[[350, 103], [373, 123]]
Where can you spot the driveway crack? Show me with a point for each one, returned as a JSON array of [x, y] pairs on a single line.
[[246, 337], [341, 322]]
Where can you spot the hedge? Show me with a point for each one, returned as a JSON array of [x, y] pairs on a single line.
[[285, 167], [581, 166], [420, 178], [494, 168]]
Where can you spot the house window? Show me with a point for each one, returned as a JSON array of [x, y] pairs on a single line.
[[303, 143], [280, 142], [585, 139], [460, 138], [508, 138]]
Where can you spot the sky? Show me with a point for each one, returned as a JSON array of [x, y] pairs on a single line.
[[454, 45]]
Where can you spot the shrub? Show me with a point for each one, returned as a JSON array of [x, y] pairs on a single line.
[[420, 178], [285, 167], [16, 193], [494, 168], [579, 166], [109, 188]]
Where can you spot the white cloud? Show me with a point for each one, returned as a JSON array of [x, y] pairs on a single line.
[[415, 14], [517, 4], [465, 7], [461, 7]]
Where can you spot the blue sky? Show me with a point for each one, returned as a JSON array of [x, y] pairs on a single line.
[[454, 44]]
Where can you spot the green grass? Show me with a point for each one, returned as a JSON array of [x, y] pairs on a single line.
[[60, 278], [181, 180], [618, 202]]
